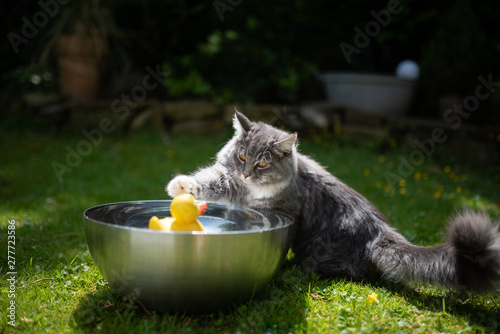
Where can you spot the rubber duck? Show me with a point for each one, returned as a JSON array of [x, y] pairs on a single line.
[[184, 209]]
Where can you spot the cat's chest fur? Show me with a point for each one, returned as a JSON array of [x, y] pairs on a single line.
[[282, 197], [259, 192]]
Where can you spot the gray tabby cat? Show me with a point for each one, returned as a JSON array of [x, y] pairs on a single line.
[[339, 232]]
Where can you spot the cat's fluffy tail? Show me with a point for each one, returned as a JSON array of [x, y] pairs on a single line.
[[470, 258]]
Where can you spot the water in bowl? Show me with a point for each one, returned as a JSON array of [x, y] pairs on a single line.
[[217, 219]]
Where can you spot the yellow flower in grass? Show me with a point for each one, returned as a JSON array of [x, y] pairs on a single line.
[[447, 169], [373, 297], [366, 172], [170, 153]]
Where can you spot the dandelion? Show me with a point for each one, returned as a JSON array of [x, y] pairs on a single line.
[[402, 191], [337, 128], [458, 190], [373, 297], [417, 176], [463, 178], [402, 183], [437, 194], [447, 169], [366, 172], [378, 184], [387, 188], [170, 153], [381, 158]]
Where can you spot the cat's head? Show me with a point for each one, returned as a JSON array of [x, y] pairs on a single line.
[[260, 156]]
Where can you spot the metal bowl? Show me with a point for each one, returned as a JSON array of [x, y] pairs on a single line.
[[236, 256]]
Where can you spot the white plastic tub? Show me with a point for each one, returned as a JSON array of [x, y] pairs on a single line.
[[382, 94]]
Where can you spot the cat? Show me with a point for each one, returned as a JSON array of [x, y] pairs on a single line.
[[338, 231]]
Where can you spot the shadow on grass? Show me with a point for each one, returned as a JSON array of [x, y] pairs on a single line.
[[481, 310], [482, 314], [278, 307]]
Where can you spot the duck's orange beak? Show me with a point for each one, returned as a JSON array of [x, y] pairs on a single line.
[[202, 206]]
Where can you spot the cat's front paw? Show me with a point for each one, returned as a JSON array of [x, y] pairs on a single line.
[[182, 184]]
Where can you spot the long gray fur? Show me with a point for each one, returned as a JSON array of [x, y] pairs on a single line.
[[338, 231]]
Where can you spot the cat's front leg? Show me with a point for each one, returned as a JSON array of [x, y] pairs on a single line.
[[213, 183]]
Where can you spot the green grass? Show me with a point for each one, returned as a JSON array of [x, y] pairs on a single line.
[[59, 289]]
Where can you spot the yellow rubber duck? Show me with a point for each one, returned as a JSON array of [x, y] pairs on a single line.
[[184, 210]]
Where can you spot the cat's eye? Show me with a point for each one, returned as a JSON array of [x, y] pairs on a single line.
[[242, 157], [262, 164]]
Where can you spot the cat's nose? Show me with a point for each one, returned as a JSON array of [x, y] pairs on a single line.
[[245, 175]]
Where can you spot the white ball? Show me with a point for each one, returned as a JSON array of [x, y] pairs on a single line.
[[408, 69]]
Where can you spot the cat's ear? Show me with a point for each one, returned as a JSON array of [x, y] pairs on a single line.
[[286, 144], [241, 124]]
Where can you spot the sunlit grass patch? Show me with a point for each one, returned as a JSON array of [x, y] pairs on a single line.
[[59, 288]]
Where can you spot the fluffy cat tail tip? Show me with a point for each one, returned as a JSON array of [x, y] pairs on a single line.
[[477, 245]]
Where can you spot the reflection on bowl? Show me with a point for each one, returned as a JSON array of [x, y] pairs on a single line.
[[235, 257]]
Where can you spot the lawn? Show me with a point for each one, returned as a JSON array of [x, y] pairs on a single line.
[[60, 290]]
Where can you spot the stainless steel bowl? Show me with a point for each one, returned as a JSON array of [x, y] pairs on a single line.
[[236, 256]]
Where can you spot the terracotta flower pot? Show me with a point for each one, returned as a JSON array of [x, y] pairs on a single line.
[[79, 60]]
